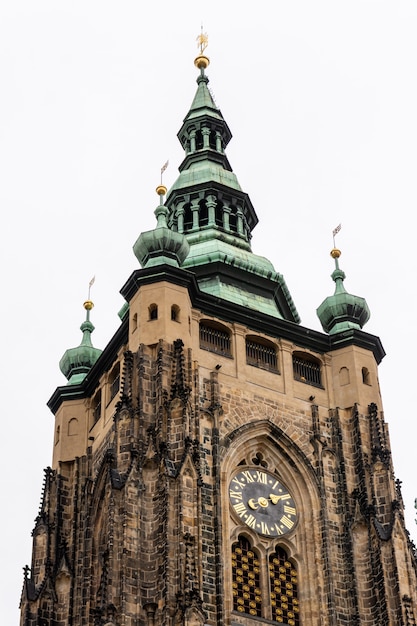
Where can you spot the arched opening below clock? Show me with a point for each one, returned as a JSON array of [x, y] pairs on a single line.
[[247, 595]]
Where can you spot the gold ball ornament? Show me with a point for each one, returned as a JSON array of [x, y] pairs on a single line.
[[161, 190], [202, 62]]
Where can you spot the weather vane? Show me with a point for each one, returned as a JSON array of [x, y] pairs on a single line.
[[335, 231], [202, 41], [90, 284], [163, 168]]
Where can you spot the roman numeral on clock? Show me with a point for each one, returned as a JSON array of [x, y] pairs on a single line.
[[261, 477], [248, 477], [286, 521], [251, 521], [240, 508], [289, 509]]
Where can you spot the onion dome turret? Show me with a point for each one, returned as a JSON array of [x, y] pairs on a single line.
[[342, 311], [77, 362], [161, 245]]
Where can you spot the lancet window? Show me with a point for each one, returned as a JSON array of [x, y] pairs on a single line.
[[276, 600], [247, 595], [284, 589]]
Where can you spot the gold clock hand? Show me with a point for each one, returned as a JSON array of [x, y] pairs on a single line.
[[276, 498]]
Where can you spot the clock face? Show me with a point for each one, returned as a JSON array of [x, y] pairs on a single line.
[[262, 502]]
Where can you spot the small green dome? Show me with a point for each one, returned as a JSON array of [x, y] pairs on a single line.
[[77, 362], [342, 311], [161, 245]]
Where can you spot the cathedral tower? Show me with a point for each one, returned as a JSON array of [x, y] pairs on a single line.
[[218, 463]]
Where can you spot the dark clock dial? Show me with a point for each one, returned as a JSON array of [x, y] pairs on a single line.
[[262, 502]]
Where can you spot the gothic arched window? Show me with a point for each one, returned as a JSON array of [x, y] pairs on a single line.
[[284, 587], [247, 595], [253, 595]]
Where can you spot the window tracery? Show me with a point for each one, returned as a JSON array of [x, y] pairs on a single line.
[[251, 597]]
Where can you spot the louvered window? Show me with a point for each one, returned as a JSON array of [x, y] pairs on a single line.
[[307, 369], [215, 339], [261, 354]]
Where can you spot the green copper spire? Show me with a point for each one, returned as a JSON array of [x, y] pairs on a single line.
[[342, 311], [204, 136], [207, 205], [77, 362]]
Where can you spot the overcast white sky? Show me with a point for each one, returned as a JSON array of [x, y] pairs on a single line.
[[321, 99]]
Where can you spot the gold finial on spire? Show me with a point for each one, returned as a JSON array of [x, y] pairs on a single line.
[[202, 61], [161, 189]]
